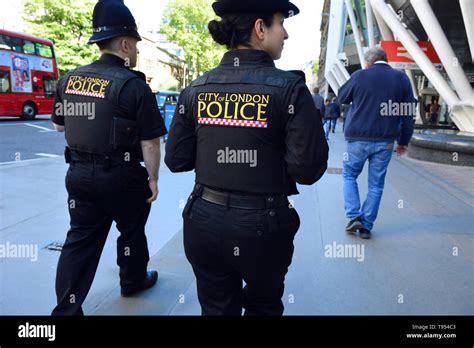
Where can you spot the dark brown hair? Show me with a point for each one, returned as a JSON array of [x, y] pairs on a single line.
[[236, 29]]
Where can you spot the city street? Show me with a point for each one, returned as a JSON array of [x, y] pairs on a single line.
[[26, 140], [241, 87], [419, 261]]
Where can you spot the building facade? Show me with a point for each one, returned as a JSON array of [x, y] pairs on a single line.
[[414, 27]]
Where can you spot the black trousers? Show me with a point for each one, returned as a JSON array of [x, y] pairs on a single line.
[[227, 246], [98, 194]]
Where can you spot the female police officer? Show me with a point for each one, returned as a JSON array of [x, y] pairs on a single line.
[[251, 132]]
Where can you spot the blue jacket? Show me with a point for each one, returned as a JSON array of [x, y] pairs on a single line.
[[335, 111], [382, 105]]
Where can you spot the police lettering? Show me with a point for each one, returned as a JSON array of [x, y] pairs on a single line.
[[235, 106], [90, 86]]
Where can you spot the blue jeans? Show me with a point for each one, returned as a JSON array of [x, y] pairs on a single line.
[[379, 154], [329, 123]]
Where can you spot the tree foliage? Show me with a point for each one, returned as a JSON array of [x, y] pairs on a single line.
[[185, 23], [69, 24]]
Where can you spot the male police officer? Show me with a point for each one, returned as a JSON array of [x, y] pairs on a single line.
[[251, 132], [105, 181]]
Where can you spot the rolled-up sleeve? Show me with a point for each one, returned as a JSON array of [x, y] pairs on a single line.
[[306, 145], [181, 144]]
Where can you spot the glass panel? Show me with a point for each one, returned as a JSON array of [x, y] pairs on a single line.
[[17, 44], [28, 47], [161, 100], [5, 43], [44, 50], [49, 85], [4, 82]]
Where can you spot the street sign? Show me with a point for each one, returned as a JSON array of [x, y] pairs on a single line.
[[169, 113], [399, 58]]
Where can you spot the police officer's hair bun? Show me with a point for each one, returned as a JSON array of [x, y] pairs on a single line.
[[221, 32], [235, 30]]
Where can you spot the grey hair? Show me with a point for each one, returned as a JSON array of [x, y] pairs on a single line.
[[375, 54]]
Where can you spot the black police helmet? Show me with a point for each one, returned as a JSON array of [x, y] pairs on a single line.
[[224, 7], [111, 18]]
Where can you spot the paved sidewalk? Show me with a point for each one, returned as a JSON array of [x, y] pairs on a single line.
[[419, 261], [408, 267]]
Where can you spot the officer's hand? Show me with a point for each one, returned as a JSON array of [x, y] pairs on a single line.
[[153, 184]]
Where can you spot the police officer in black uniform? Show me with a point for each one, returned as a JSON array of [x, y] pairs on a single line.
[[105, 180], [250, 131]]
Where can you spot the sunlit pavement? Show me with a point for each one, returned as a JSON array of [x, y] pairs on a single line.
[[420, 259]]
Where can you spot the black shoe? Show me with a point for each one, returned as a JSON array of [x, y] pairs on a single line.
[[148, 282], [364, 233], [354, 225], [333, 130]]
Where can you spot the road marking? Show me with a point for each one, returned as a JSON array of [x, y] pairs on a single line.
[[46, 155], [39, 127], [23, 161]]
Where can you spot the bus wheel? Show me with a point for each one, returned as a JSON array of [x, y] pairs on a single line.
[[29, 111]]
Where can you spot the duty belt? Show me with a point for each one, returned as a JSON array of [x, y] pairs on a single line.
[[86, 157], [233, 200]]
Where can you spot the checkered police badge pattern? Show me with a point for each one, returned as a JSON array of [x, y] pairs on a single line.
[[232, 123], [87, 86], [87, 94]]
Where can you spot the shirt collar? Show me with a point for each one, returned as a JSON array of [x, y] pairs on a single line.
[[250, 56], [381, 62], [112, 59]]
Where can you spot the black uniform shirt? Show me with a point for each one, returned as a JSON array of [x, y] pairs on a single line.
[[136, 99]]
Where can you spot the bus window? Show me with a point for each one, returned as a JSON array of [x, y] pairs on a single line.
[[28, 47], [49, 85], [5, 43], [16, 44], [43, 50], [4, 82]]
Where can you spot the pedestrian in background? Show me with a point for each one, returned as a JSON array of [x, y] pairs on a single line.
[[370, 134], [434, 111], [327, 118], [318, 101], [334, 114]]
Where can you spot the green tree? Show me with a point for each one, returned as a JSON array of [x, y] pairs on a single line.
[[66, 22], [315, 67], [185, 23]]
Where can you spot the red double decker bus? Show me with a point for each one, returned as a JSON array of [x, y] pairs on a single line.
[[28, 75]]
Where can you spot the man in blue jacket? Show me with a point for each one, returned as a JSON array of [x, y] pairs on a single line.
[[382, 110]]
